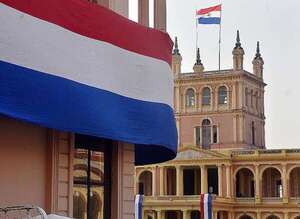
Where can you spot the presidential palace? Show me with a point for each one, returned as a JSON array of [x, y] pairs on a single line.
[[221, 149]]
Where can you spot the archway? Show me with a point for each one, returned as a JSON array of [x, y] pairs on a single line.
[[272, 217], [295, 183], [245, 216], [244, 183], [191, 181], [145, 183], [171, 181], [271, 183], [195, 214]]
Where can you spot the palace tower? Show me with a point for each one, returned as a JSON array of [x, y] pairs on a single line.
[[221, 149]]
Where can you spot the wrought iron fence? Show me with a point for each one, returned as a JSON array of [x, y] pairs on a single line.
[[22, 212]]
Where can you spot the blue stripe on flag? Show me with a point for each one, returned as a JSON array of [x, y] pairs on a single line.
[[138, 207], [209, 206], [209, 20], [65, 105]]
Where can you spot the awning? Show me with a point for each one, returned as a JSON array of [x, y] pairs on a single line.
[[75, 66]]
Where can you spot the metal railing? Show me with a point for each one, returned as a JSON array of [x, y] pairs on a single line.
[[22, 212]]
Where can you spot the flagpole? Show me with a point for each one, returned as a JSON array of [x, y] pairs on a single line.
[[220, 31], [196, 32]]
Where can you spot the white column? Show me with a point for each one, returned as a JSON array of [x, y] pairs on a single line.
[[121, 7], [154, 187], [220, 180], [284, 184], [257, 184], [143, 12], [258, 215], [228, 181], [186, 214], [179, 181], [159, 214], [160, 15], [203, 179], [161, 180], [215, 214]]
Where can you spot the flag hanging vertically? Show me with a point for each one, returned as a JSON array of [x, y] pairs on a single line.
[[75, 66], [206, 206], [138, 207], [211, 15]]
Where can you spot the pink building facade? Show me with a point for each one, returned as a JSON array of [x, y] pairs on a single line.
[[220, 109]]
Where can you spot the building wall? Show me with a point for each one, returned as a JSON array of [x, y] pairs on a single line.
[[233, 118], [23, 163]]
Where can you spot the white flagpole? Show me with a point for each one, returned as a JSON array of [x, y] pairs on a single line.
[[220, 31], [196, 32]]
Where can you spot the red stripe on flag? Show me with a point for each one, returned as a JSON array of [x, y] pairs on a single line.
[[202, 206], [210, 9], [99, 23]]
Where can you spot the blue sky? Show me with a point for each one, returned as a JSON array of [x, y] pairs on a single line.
[[276, 25]]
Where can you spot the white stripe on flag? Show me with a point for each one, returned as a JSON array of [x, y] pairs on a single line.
[[75, 57], [138, 207], [206, 206]]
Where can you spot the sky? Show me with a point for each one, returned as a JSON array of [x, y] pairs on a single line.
[[272, 22]]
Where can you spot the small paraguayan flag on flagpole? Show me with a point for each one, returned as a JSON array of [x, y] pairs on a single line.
[[211, 15], [206, 206], [138, 207]]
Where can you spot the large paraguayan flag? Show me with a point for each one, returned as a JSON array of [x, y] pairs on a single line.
[[205, 206], [211, 15], [75, 66]]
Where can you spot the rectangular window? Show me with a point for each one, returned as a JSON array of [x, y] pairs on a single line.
[[92, 180], [197, 135]]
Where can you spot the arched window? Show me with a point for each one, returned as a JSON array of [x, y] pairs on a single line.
[[295, 183], [206, 96], [222, 95], [245, 217], [272, 217], [190, 98], [245, 183], [145, 183], [271, 182], [253, 132], [206, 133]]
